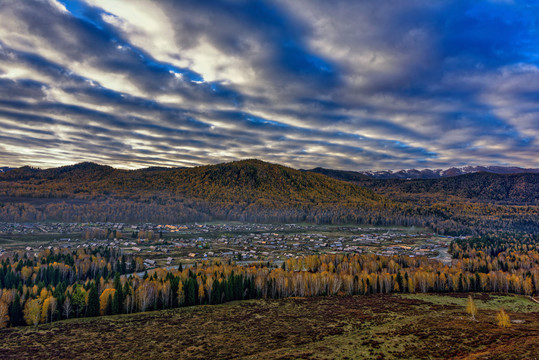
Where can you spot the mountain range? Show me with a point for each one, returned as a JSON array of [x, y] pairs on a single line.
[[253, 190], [494, 188], [426, 173], [400, 174]]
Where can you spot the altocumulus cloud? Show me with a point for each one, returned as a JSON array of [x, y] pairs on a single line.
[[342, 84]]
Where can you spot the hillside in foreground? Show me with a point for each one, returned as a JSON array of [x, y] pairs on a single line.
[[350, 327]]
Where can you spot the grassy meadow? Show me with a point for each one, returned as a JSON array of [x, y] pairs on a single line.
[[411, 326]]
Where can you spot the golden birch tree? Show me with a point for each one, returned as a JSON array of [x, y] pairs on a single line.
[[502, 319], [471, 308]]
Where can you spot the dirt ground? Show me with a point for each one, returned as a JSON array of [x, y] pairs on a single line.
[[368, 327]]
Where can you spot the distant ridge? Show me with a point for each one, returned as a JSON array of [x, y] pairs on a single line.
[[352, 176], [421, 174], [506, 188]]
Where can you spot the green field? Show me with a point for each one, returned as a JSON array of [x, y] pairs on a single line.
[[358, 327], [20, 241]]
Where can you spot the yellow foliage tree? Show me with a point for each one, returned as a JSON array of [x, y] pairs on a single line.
[[471, 308], [4, 314], [502, 319], [104, 300], [44, 294], [201, 292], [45, 310], [411, 285], [32, 311], [53, 303], [26, 272]]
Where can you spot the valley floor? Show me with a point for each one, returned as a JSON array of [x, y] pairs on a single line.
[[413, 326]]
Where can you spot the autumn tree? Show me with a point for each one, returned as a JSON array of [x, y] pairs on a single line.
[[201, 292], [4, 314], [45, 310], [145, 295], [105, 301], [53, 304], [502, 319], [67, 307], [471, 308], [32, 312]]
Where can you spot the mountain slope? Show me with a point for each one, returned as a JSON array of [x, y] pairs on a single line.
[[521, 188], [240, 181], [514, 188], [249, 189]]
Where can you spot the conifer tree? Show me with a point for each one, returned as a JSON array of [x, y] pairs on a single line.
[[115, 309], [15, 311], [118, 298], [93, 302]]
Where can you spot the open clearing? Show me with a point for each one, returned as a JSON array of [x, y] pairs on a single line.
[[414, 326]]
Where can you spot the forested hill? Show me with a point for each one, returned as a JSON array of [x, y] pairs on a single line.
[[256, 191], [247, 181], [243, 190], [518, 189]]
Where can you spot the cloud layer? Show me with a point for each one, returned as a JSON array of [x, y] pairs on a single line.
[[342, 84]]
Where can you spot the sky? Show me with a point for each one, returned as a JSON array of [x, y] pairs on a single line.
[[355, 85]]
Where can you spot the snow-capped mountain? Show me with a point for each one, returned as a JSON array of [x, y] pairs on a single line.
[[439, 173]]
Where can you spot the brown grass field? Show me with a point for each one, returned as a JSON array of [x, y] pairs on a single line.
[[359, 327]]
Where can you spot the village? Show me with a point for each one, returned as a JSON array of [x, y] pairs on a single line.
[[172, 244]]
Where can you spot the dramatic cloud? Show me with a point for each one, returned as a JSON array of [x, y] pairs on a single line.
[[341, 84]]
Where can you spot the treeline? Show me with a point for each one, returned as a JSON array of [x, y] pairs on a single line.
[[64, 284], [172, 211], [504, 252], [450, 219]]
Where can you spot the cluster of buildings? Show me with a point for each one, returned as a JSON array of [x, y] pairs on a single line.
[[168, 244], [40, 228]]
